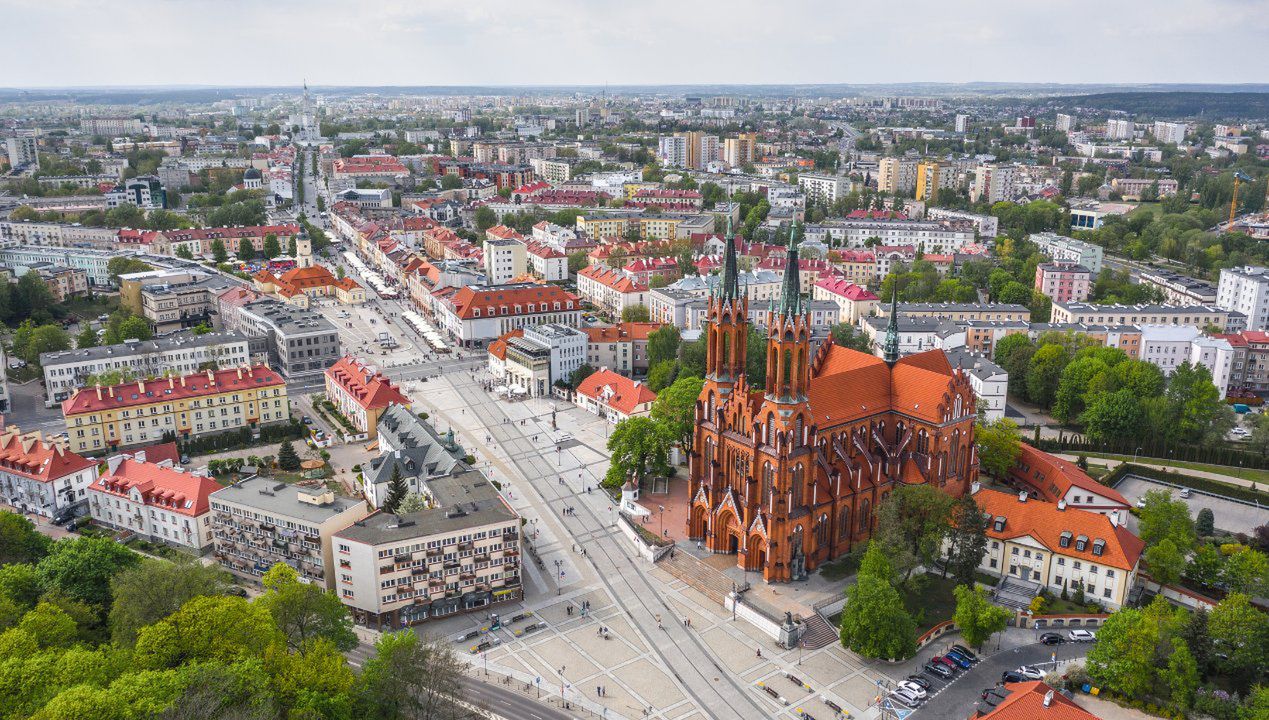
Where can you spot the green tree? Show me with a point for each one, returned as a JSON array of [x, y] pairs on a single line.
[[1125, 656], [636, 313], [1182, 676], [1166, 562], [1206, 565], [1045, 372], [1162, 517], [449, 181], [50, 626], [1200, 412], [976, 616], [1115, 417], [639, 447], [127, 327], [999, 445], [20, 542], [305, 612], [87, 337], [33, 292], [154, 589], [1205, 523], [272, 248], [20, 582], [663, 345], [578, 376], [184, 252], [413, 502], [1068, 403], [849, 336], [124, 265], [661, 375], [1247, 572], [82, 568], [39, 340], [1240, 633], [675, 409], [967, 540], [224, 629], [577, 261], [219, 253], [409, 678], [485, 218], [874, 622], [911, 525], [246, 251], [397, 490], [288, 459]]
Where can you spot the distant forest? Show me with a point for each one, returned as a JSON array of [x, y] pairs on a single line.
[[1207, 105]]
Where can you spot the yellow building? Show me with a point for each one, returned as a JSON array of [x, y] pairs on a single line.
[[659, 227], [601, 227], [146, 411], [927, 180]]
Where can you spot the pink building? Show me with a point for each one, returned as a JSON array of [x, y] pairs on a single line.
[[1063, 282]]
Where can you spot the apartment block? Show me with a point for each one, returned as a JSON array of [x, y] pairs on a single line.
[[1069, 250], [993, 183], [1178, 289], [1199, 316], [300, 342], [155, 499], [361, 392], [1246, 290], [823, 189], [1063, 282], [43, 476], [896, 176]]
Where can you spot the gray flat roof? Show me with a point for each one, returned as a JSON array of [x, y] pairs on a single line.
[[185, 340], [467, 500], [270, 496]]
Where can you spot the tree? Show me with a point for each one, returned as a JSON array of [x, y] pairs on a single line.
[[33, 292], [20, 542], [1115, 417], [246, 250], [578, 376], [999, 445], [1044, 373], [305, 612], [1199, 410], [1247, 571], [661, 375], [82, 568], [848, 336], [154, 589], [639, 447], [38, 340], [1206, 565], [485, 218], [49, 625], [635, 313], [413, 502], [1205, 524], [967, 540], [450, 181], [1166, 562], [219, 253], [272, 248], [1124, 657], [124, 265], [874, 622], [1239, 632], [976, 616], [675, 409], [409, 678], [221, 628], [397, 490], [87, 337], [911, 524], [288, 459], [577, 261], [1162, 517], [126, 327], [1068, 403], [184, 252], [1182, 675], [663, 344]]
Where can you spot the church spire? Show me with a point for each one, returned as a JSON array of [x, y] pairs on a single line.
[[891, 351], [731, 283], [791, 289]]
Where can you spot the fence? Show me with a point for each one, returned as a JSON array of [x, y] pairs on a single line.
[[1236, 493], [936, 632], [1069, 620], [1154, 448]]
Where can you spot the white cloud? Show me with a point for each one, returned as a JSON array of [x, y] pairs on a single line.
[[427, 42]]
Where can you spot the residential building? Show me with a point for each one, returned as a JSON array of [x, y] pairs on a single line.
[[148, 411], [993, 183], [823, 189], [62, 282], [1219, 357], [1120, 129], [112, 126], [622, 347], [1132, 188], [24, 152], [541, 356], [361, 393], [961, 123], [896, 176], [65, 371], [1246, 290], [1124, 337], [1054, 480], [672, 150], [1170, 133], [1063, 281], [989, 381], [92, 261], [611, 291], [411, 445], [228, 303], [545, 261], [1069, 250], [931, 236], [459, 555], [1200, 316], [597, 227], [505, 260], [299, 285], [1178, 289], [978, 337], [1065, 123], [1056, 546], [614, 397], [300, 342], [853, 301], [157, 500], [168, 308], [930, 177], [42, 476], [475, 314], [965, 311], [988, 226], [260, 522], [365, 197], [131, 284], [739, 150], [914, 334]]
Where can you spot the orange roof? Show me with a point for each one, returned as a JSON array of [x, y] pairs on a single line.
[[1044, 522], [1052, 477], [625, 331], [1026, 702], [614, 279], [502, 232], [498, 348], [145, 392], [916, 386], [616, 391], [369, 387], [160, 485], [32, 456], [474, 301]]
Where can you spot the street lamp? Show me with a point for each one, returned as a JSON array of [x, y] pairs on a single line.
[[559, 577], [662, 516]]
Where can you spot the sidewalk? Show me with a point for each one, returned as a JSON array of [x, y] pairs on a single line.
[[1111, 464]]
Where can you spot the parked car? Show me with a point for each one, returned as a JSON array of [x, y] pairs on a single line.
[[1141, 502], [938, 670], [962, 661], [920, 681], [465, 636], [1082, 636], [945, 662], [904, 699], [236, 591], [1009, 676], [1030, 673], [306, 420], [1185, 492], [916, 690], [1052, 638], [973, 657]]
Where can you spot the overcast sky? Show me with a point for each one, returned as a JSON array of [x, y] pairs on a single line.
[[508, 42]]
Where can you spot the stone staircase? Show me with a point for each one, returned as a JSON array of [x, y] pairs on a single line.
[[819, 633], [1015, 593], [710, 582]]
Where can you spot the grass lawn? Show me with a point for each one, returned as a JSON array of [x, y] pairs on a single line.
[[841, 568], [931, 602], [1259, 476]]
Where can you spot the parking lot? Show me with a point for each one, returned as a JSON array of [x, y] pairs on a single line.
[[1231, 516]]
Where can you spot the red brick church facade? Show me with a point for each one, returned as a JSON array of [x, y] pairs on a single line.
[[788, 476]]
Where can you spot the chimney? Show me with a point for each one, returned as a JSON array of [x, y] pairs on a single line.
[[1114, 518], [1048, 698], [1022, 496], [98, 391], [141, 387], [974, 487], [182, 381], [239, 372], [139, 456], [171, 382]]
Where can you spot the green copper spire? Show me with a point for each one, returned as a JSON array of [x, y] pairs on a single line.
[[891, 351], [730, 289], [791, 290]]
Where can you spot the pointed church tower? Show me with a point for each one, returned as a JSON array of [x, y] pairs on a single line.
[[890, 352], [789, 336], [727, 326]]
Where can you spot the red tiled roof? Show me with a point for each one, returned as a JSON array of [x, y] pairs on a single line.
[[915, 386], [503, 232], [1046, 523], [625, 331], [369, 387], [1026, 702], [31, 456], [160, 485], [1051, 477], [502, 301], [144, 392], [615, 279], [845, 288], [498, 348], [626, 396]]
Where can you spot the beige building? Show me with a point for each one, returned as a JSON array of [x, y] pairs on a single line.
[[897, 176]]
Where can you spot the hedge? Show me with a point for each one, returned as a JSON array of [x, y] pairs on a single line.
[[1215, 487], [242, 438], [1211, 454]]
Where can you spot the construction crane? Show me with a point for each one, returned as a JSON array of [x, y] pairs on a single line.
[[1239, 177]]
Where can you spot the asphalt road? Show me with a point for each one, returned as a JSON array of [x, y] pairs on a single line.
[[510, 703], [958, 697]]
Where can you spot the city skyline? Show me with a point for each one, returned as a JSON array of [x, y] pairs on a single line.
[[397, 43]]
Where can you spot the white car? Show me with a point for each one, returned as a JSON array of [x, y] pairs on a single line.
[[1030, 673], [913, 688], [1082, 636]]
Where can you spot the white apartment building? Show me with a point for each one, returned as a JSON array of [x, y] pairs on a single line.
[[1119, 129], [476, 314], [1166, 346], [823, 189], [1069, 250], [612, 291], [1170, 133], [1199, 316], [1218, 356], [547, 261], [930, 236], [672, 150], [42, 476], [1065, 123], [504, 260], [994, 183], [989, 381], [988, 226], [962, 123], [896, 175], [159, 501], [1246, 290], [23, 150], [554, 235]]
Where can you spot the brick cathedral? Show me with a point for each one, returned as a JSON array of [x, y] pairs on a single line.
[[787, 476]]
